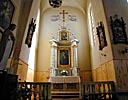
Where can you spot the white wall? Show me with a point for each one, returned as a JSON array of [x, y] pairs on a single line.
[[47, 27], [97, 56]]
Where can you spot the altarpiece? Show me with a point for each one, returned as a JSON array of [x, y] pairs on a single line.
[[64, 58], [64, 72], [64, 69]]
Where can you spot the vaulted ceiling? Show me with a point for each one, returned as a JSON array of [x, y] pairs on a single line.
[[80, 4]]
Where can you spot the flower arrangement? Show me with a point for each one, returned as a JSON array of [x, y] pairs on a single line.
[[64, 73]]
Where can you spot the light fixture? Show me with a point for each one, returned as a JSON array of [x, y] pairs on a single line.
[[55, 3]]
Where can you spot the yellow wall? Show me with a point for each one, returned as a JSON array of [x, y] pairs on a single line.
[[105, 72], [86, 75], [22, 71], [49, 27], [42, 76], [97, 56]]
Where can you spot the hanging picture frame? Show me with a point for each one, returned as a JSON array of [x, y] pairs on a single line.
[[6, 13], [118, 30], [31, 30], [101, 35], [64, 35]]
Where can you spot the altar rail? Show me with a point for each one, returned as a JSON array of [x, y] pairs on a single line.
[[34, 91], [99, 91], [89, 91], [105, 90]]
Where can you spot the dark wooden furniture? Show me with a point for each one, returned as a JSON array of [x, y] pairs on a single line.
[[8, 85]]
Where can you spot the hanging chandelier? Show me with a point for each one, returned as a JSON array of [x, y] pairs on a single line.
[[55, 3]]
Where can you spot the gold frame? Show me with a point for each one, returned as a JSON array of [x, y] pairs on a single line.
[[60, 51], [63, 35]]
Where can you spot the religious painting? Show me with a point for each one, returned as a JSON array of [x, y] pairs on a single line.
[[6, 13], [118, 30], [101, 36], [31, 30], [63, 57], [63, 35]]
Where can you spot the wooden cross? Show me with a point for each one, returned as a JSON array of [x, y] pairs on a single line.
[[63, 14]]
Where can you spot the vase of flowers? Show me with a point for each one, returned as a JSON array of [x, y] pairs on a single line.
[[64, 73]]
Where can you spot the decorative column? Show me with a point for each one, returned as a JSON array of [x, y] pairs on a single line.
[[74, 56], [53, 59]]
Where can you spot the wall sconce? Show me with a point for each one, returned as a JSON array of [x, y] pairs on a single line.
[[125, 50]]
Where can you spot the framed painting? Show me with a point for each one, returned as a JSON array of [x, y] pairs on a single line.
[[63, 35], [64, 57], [118, 30], [101, 36], [6, 13], [31, 30]]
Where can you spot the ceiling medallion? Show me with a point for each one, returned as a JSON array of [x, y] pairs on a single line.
[[55, 3]]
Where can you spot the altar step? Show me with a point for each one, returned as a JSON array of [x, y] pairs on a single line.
[[65, 99], [65, 94]]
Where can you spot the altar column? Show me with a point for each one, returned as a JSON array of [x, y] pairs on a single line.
[[74, 55], [53, 59]]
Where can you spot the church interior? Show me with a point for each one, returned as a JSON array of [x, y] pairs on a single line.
[[64, 50]]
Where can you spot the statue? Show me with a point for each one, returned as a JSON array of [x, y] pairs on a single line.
[[6, 45]]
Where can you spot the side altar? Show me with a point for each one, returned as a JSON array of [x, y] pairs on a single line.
[[64, 70]]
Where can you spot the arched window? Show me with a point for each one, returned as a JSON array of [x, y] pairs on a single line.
[[92, 31]]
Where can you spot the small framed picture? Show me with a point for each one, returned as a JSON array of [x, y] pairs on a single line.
[[64, 35], [101, 36]]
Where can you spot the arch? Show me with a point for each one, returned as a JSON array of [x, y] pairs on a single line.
[[91, 26]]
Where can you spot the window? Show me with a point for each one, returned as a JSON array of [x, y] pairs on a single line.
[[92, 30], [93, 27]]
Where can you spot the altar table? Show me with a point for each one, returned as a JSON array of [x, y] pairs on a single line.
[[65, 79]]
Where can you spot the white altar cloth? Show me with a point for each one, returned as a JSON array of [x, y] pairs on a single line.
[[64, 79]]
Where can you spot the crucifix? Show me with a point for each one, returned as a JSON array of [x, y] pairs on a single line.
[[63, 12]]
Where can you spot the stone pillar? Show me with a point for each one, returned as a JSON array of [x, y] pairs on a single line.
[[53, 59], [74, 55]]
